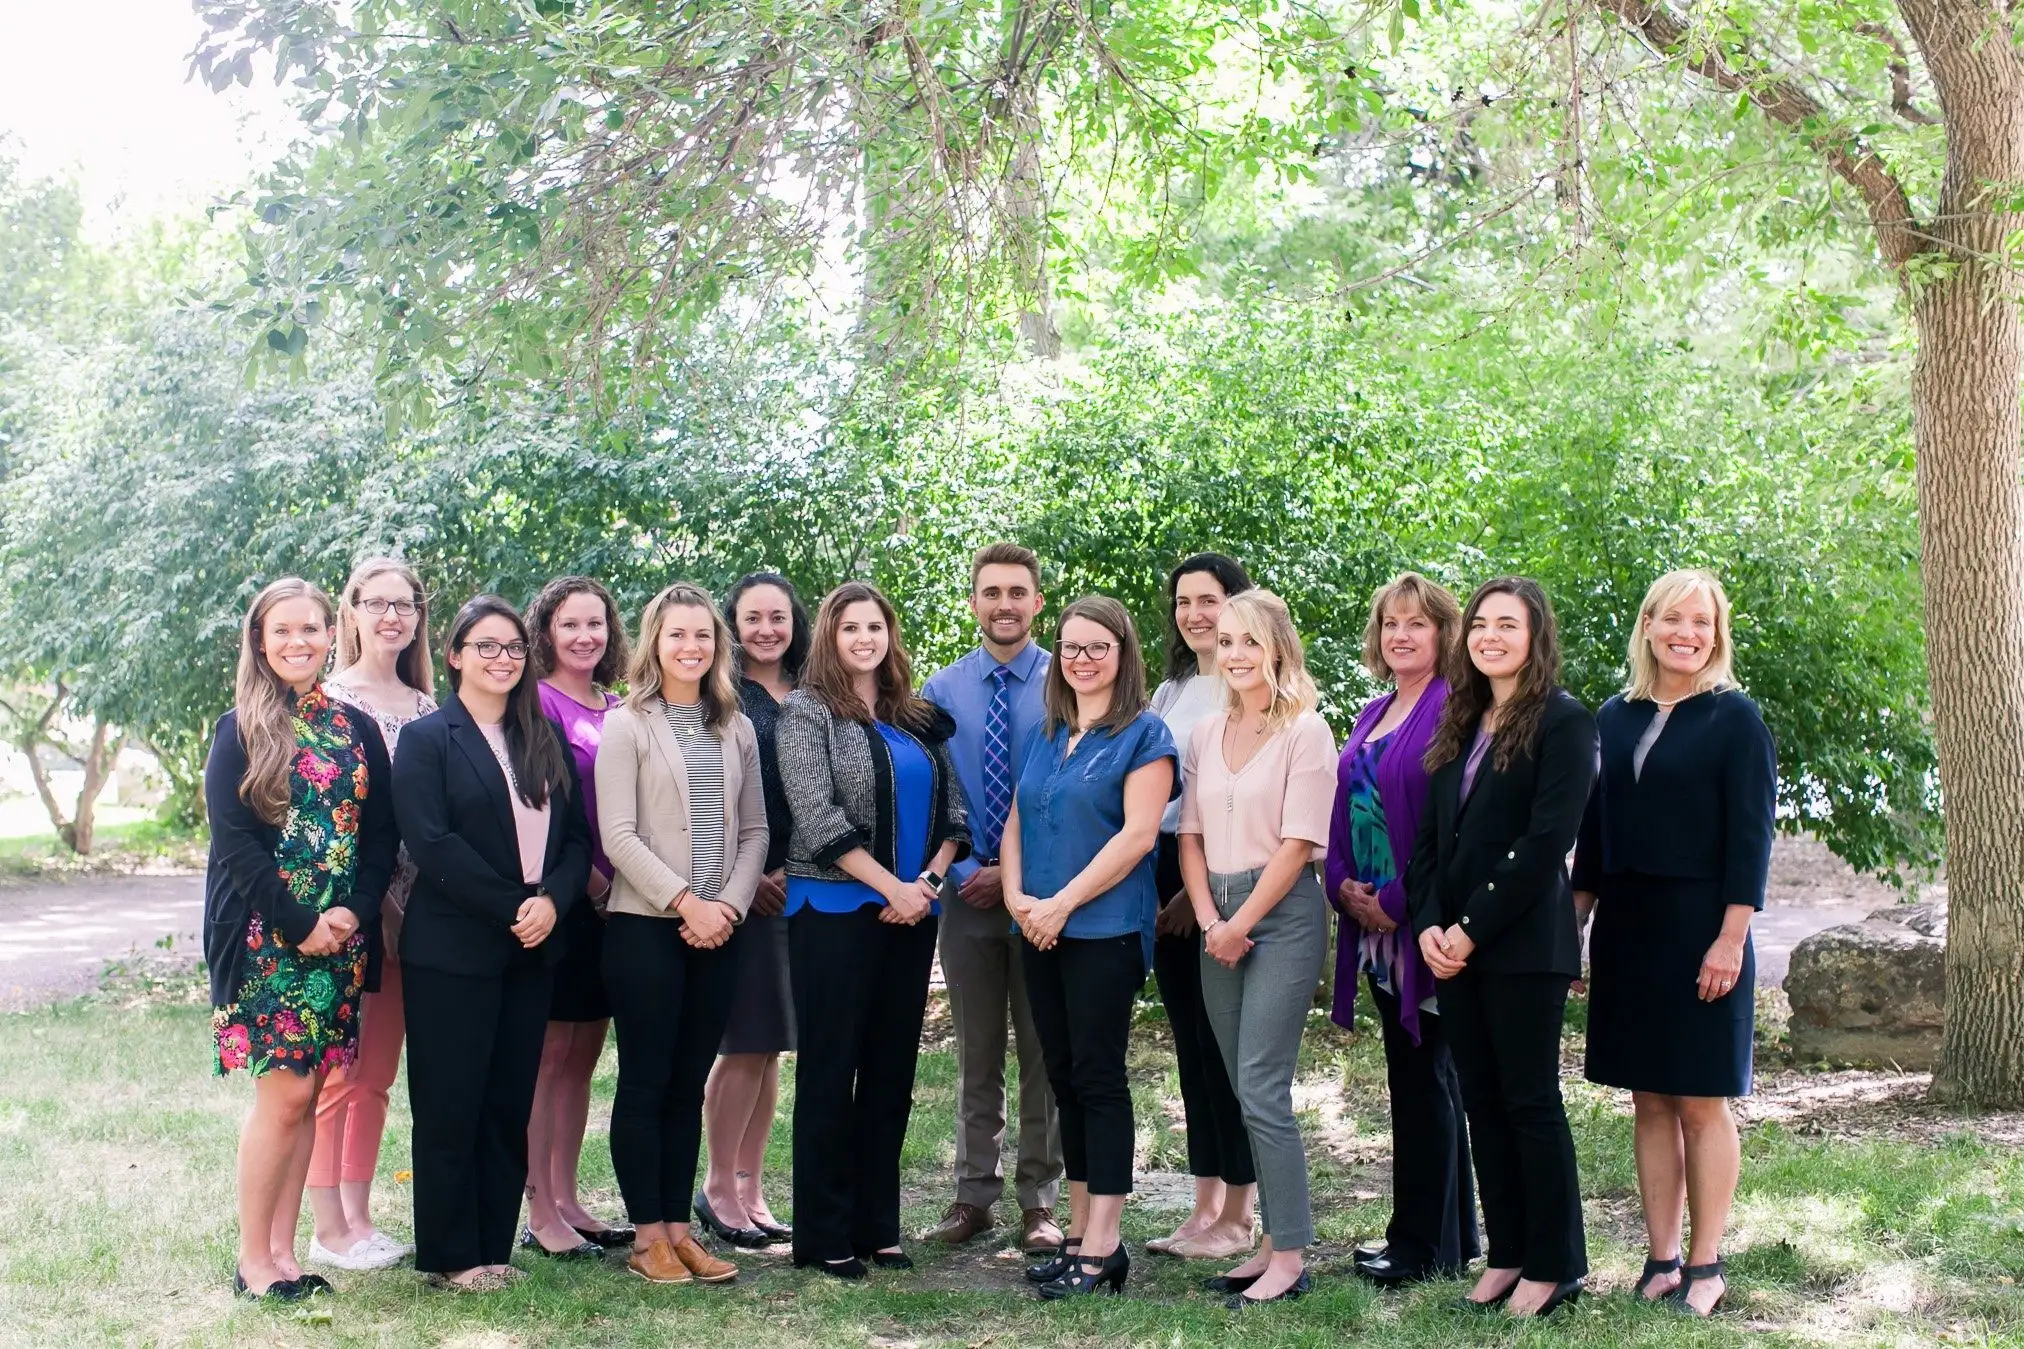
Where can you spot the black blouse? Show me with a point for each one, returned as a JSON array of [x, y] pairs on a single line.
[[764, 713]]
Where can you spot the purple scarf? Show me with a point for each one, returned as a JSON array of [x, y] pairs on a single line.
[[1402, 787]]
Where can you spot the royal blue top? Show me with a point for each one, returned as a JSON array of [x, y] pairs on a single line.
[[913, 804], [963, 690], [1070, 805]]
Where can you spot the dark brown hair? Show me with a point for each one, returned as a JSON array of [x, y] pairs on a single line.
[[830, 681], [1229, 574], [541, 621], [1469, 694], [1004, 555], [1127, 695], [532, 746]]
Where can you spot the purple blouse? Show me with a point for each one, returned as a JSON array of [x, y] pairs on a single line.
[[583, 727]]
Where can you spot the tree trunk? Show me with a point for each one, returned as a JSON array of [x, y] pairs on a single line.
[[1966, 423], [98, 766]]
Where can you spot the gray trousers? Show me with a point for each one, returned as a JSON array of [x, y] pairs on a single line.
[[1259, 1011], [980, 962]]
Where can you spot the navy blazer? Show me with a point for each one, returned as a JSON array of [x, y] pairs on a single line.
[[1705, 807], [243, 878], [450, 796], [1497, 863]]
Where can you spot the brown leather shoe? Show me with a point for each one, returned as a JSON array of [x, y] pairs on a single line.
[[706, 1267], [1039, 1235], [959, 1224], [658, 1263]]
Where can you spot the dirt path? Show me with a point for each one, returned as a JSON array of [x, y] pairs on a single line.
[[56, 937]]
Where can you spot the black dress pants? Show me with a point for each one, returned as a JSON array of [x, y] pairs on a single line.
[[860, 992], [1433, 1222], [474, 1050], [1504, 1032], [1082, 992], [670, 1003], [1217, 1143]]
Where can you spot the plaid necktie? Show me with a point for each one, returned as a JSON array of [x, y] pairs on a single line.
[[997, 762]]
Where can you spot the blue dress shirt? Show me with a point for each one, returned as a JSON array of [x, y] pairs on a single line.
[[963, 690], [913, 804]]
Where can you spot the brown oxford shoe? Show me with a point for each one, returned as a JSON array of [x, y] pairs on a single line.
[[959, 1224], [658, 1263], [706, 1267], [1038, 1232]]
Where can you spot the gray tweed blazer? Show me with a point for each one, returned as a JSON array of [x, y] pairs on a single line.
[[838, 776]]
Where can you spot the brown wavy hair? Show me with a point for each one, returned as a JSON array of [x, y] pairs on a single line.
[[413, 665], [1127, 695], [719, 690], [541, 638], [266, 705], [1469, 694], [829, 680]]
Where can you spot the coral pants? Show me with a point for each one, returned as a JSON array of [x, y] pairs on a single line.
[[351, 1111]]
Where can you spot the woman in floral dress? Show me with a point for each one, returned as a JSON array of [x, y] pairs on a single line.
[[303, 844]]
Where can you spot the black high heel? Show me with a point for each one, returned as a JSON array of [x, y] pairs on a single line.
[[1654, 1268], [1465, 1303], [1292, 1292], [1718, 1270], [1111, 1270], [1563, 1295], [1228, 1283], [747, 1237], [1056, 1265]]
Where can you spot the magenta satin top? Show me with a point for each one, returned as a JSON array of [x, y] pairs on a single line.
[[583, 728]]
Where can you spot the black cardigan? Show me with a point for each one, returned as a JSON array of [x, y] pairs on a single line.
[[1705, 807], [243, 878], [1497, 863], [450, 796]]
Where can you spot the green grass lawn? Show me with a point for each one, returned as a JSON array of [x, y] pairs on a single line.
[[1864, 1218]]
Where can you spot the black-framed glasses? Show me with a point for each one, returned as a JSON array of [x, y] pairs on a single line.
[[377, 607], [488, 649], [1084, 650]]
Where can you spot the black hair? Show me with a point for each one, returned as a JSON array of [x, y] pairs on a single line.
[[532, 746], [803, 630], [1229, 573]]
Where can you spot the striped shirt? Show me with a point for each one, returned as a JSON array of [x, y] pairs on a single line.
[[703, 756]]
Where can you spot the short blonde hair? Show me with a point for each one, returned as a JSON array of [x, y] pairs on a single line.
[[1408, 591], [1265, 616], [719, 694], [1668, 590]]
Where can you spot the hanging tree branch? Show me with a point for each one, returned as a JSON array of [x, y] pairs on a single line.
[[1784, 102], [1900, 75]]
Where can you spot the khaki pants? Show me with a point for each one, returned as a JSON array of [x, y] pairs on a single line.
[[980, 962]]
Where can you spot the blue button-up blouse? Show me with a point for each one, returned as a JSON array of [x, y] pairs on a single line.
[[1071, 805]]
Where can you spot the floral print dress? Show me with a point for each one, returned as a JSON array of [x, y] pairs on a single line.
[[295, 1011]]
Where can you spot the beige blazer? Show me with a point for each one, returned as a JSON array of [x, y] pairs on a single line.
[[643, 812]]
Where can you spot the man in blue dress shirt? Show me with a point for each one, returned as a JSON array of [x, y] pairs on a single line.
[[995, 694]]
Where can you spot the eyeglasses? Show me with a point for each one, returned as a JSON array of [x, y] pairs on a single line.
[[488, 649], [377, 607], [1084, 650]]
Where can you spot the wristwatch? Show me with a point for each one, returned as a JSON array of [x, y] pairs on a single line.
[[933, 878]]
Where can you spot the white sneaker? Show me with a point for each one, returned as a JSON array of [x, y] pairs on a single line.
[[385, 1251], [360, 1256]]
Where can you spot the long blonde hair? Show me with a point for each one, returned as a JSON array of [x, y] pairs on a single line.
[[719, 692], [1668, 590], [1265, 616], [413, 665], [266, 705]]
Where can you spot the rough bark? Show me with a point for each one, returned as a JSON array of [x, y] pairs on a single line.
[[1966, 426]]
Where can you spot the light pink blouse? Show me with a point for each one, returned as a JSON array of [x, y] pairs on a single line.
[[1287, 790], [529, 822]]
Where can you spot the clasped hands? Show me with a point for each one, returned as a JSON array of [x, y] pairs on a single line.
[[334, 927], [1039, 920], [1360, 902], [706, 923], [1446, 950], [907, 902]]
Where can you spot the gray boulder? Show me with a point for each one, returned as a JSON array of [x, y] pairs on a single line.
[[1871, 994]]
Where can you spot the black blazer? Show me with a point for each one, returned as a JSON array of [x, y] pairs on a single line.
[[242, 879], [457, 820], [1497, 863], [1704, 808]]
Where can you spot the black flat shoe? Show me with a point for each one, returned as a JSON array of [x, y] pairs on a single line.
[[1368, 1251], [1111, 1271], [1654, 1268], [281, 1290], [1689, 1276], [1301, 1285], [1563, 1295], [1386, 1273], [582, 1250], [747, 1237], [314, 1283], [1228, 1283], [1056, 1265], [852, 1268], [892, 1260], [609, 1238]]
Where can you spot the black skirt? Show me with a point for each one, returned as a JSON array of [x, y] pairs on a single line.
[[579, 976], [762, 1000], [1648, 1029]]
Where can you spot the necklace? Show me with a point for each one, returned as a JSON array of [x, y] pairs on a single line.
[[1668, 704]]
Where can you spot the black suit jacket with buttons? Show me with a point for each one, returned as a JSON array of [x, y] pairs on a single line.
[[1497, 863], [456, 818]]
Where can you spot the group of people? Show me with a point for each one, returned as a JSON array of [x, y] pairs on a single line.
[[753, 833]]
